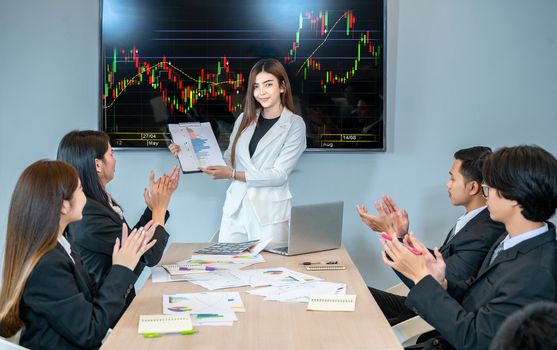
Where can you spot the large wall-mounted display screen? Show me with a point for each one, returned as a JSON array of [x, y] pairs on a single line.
[[173, 61]]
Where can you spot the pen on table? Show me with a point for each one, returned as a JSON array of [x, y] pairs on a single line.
[[151, 335], [158, 335], [318, 263]]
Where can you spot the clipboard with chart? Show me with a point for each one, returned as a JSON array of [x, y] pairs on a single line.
[[198, 146]]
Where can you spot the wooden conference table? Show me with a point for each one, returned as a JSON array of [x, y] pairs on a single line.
[[265, 325]]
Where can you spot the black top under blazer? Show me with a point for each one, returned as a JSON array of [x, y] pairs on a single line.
[[470, 312], [95, 234], [63, 308], [465, 252]]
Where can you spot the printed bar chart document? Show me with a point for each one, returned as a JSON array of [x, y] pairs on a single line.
[[198, 146]]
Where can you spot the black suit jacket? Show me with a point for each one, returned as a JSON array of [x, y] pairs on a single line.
[[465, 252], [470, 312], [94, 237], [62, 308]]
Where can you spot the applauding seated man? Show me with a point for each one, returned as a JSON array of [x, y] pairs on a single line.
[[521, 190], [466, 244]]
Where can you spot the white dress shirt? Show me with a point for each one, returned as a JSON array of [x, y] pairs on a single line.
[[66, 245]]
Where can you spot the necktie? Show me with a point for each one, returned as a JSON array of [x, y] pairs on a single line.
[[496, 252], [450, 235]]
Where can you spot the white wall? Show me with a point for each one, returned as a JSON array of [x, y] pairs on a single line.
[[460, 73]]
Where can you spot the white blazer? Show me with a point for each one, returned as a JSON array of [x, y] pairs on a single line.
[[267, 171]]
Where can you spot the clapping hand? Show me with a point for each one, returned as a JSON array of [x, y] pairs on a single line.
[[413, 266], [378, 223], [157, 196], [129, 250], [397, 218]]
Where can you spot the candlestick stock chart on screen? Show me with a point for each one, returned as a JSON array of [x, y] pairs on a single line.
[[173, 61]]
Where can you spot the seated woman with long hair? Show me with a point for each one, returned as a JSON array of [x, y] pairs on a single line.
[[91, 154], [46, 289]]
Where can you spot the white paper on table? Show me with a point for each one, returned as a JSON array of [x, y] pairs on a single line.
[[303, 292], [160, 275], [269, 276], [305, 299], [203, 303], [231, 259], [218, 265], [258, 248], [219, 280], [300, 288]]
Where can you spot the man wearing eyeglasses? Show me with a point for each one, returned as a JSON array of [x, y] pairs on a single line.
[[467, 243], [520, 268]]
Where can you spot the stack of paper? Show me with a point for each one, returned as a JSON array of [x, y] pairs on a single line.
[[299, 292], [218, 280], [205, 309], [206, 268], [226, 262], [159, 275], [272, 276]]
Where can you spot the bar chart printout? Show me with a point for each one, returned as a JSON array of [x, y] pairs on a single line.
[[198, 146]]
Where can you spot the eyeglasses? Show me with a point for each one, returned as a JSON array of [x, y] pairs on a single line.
[[485, 190]]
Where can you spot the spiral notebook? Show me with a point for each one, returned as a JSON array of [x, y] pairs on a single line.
[[154, 325], [332, 302], [323, 267]]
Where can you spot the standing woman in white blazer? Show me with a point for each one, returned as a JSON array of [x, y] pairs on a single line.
[[265, 145]]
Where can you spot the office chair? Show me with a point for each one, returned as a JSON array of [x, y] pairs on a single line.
[[399, 289], [407, 332]]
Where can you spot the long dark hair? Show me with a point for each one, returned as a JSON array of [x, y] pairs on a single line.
[[80, 149], [33, 224], [271, 66]]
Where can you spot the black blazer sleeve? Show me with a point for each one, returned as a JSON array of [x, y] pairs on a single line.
[[154, 255], [95, 234], [474, 329], [60, 309], [465, 253], [470, 314]]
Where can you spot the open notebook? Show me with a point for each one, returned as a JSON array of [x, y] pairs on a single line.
[[332, 302], [155, 325]]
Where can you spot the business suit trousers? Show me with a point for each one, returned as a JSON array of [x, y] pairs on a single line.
[[392, 306], [243, 225]]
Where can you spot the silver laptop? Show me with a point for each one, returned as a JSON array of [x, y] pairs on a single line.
[[313, 228]]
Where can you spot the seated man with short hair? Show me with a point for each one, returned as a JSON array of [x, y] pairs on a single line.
[[466, 244], [521, 190]]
